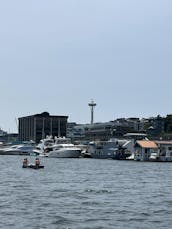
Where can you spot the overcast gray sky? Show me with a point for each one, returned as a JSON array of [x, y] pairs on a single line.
[[57, 55]]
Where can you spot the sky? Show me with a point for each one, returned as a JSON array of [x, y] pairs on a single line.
[[56, 56]]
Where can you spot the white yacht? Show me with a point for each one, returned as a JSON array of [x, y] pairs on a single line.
[[65, 151], [61, 147], [46, 145], [20, 150]]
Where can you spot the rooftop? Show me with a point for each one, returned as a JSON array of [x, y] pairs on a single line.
[[147, 144]]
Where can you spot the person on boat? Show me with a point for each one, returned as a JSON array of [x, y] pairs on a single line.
[[25, 162], [37, 162]]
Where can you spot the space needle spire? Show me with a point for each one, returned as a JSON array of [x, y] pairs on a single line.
[[92, 105]]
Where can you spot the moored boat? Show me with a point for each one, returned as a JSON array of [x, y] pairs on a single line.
[[65, 151], [22, 150], [111, 149], [62, 148]]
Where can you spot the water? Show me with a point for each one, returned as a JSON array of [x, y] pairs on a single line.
[[85, 194]]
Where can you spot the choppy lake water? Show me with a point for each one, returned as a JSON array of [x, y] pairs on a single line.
[[85, 194]]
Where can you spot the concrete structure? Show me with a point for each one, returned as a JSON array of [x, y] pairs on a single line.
[[38, 126]]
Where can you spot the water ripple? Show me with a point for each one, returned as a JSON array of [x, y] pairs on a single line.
[[85, 194]]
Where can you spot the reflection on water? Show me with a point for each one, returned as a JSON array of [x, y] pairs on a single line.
[[85, 193]]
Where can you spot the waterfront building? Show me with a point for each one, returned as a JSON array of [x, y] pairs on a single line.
[[2, 135], [2, 132], [104, 131], [144, 149], [38, 126], [75, 131], [165, 150]]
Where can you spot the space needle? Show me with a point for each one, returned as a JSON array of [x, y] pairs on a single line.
[[92, 105]]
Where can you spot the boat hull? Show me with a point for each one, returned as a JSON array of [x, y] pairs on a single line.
[[65, 153], [14, 153]]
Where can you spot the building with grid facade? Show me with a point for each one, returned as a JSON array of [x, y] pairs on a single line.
[[38, 126]]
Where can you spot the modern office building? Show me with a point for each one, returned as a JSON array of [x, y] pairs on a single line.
[[38, 126]]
